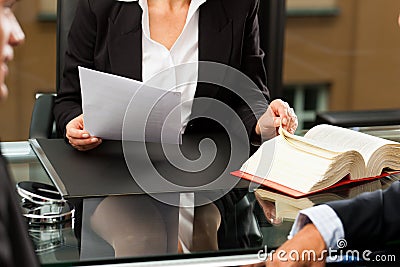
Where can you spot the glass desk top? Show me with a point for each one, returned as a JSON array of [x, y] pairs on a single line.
[[137, 228]]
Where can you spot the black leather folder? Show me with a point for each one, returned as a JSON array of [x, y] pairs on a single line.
[[360, 118], [104, 170]]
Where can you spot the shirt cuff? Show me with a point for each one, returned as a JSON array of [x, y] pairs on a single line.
[[325, 220]]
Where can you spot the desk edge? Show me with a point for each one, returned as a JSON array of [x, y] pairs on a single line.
[[48, 167]]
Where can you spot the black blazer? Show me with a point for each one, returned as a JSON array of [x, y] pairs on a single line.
[[106, 35], [16, 246], [371, 219]]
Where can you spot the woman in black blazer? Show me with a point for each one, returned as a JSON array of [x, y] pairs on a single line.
[[107, 36]]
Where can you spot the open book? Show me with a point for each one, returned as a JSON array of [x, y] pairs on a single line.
[[287, 207], [325, 155]]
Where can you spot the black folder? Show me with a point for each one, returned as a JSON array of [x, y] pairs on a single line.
[[104, 171], [359, 118]]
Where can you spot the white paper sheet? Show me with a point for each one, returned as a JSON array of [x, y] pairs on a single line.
[[119, 108]]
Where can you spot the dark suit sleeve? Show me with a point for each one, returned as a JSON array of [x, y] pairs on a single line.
[[16, 246], [80, 52], [253, 66], [371, 218], [252, 57]]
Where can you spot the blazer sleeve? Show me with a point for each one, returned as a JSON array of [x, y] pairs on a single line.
[[80, 52], [16, 246], [372, 217], [252, 65]]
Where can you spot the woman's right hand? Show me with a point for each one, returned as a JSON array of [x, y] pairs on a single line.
[[78, 137]]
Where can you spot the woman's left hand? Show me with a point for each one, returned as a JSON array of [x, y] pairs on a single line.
[[278, 113]]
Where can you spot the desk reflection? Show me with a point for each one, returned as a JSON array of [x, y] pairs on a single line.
[[127, 226], [139, 225]]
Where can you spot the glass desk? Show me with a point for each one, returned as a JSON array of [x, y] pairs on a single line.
[[240, 240], [230, 231]]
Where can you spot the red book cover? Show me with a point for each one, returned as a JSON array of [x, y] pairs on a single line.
[[297, 194]]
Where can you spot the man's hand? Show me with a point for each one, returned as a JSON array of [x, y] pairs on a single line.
[[78, 137], [278, 113], [307, 241], [299, 251]]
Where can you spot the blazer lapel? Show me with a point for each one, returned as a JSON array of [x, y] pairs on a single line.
[[215, 41], [125, 40], [215, 33]]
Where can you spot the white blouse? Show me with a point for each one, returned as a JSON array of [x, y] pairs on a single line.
[[157, 58]]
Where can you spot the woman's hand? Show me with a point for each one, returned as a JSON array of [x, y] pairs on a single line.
[[278, 113], [269, 210], [78, 137]]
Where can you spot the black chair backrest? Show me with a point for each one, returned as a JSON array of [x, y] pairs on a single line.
[[65, 15], [42, 120]]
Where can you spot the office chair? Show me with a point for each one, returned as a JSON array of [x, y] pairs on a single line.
[[42, 121]]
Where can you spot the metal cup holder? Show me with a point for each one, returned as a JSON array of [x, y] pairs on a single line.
[[46, 213]]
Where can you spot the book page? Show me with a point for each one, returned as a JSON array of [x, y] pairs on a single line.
[[278, 161], [313, 146], [301, 164], [346, 139], [320, 159]]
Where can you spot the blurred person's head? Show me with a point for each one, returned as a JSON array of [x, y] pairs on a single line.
[[11, 35]]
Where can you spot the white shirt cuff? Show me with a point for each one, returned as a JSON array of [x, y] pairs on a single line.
[[325, 220]]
